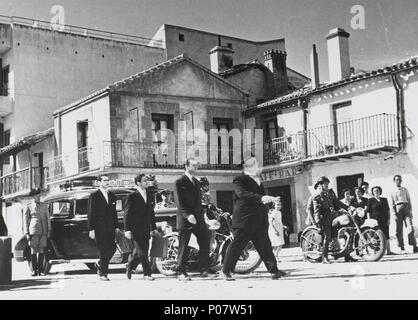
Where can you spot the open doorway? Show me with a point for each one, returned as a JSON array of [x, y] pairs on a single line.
[[348, 182], [82, 144]]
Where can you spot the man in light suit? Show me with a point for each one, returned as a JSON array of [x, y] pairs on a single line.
[[190, 219], [139, 222], [102, 224]]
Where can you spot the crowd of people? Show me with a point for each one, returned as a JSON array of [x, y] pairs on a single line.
[[323, 211], [250, 222], [256, 217]]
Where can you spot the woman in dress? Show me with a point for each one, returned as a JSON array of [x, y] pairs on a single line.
[[38, 230], [276, 230], [378, 209]]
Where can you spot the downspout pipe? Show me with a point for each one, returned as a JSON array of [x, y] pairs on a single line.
[[305, 111], [400, 112]]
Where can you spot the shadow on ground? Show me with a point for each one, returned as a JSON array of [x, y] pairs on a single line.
[[26, 284]]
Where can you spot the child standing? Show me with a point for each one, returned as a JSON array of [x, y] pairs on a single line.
[[275, 231]]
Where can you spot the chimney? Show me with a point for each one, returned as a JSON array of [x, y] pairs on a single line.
[[221, 59], [314, 68], [276, 62], [338, 54]]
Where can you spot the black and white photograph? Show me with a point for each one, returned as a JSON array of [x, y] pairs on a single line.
[[216, 152]]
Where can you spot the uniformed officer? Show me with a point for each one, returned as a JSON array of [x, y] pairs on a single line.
[[322, 205]]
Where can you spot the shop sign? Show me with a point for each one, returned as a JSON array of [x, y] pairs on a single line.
[[282, 173]]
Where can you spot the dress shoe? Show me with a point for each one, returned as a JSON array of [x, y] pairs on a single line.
[[129, 273], [208, 273], [104, 278], [349, 258], [183, 276], [325, 260], [278, 274], [34, 273], [283, 273], [148, 277], [227, 276], [390, 253]]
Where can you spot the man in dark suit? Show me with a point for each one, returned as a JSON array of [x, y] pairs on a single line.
[[102, 224], [250, 221], [190, 220], [139, 222]]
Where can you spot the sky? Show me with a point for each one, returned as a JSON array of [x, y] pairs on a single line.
[[390, 31]]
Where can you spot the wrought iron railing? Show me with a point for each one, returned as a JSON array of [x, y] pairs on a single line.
[[287, 148], [125, 154], [21, 182], [362, 134], [82, 31]]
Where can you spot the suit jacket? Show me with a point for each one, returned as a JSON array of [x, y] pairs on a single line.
[[249, 212], [188, 200], [139, 216], [102, 217]]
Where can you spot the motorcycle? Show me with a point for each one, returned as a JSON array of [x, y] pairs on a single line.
[[219, 224], [348, 235]]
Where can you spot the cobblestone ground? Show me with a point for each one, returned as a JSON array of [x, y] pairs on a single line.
[[394, 277]]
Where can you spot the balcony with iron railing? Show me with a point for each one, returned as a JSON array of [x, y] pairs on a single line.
[[359, 137], [373, 134], [22, 182], [284, 149], [124, 154]]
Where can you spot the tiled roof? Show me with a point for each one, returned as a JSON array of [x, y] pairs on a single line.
[[404, 65], [147, 72], [26, 142], [169, 63], [242, 67], [245, 66], [84, 99]]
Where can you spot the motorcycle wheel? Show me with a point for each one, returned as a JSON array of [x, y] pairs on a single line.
[[167, 265], [373, 247], [311, 246], [249, 260]]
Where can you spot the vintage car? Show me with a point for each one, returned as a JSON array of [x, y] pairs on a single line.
[[70, 241]]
